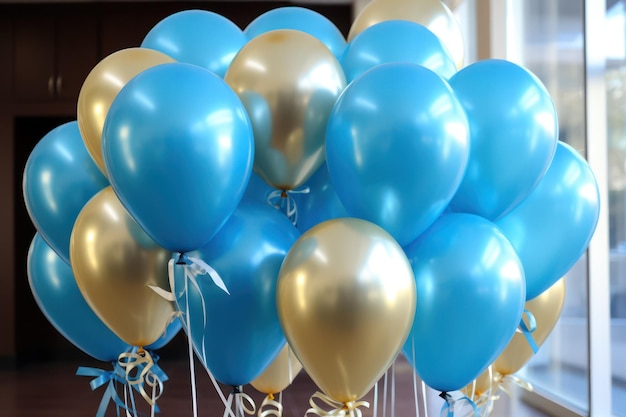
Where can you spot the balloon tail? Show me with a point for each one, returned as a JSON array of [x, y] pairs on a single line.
[[449, 407], [242, 403], [141, 370], [337, 409]]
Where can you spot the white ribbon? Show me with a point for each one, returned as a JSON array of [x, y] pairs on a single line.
[[270, 407], [290, 208], [338, 409], [241, 401], [137, 366]]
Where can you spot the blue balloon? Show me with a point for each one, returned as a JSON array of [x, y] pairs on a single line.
[[396, 41], [197, 37], [514, 132], [552, 227], [470, 286], [59, 178], [57, 295], [397, 145], [236, 336], [321, 203], [178, 147], [304, 20]]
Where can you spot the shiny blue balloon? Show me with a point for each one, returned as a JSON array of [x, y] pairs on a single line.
[[55, 290], [304, 20], [178, 147], [59, 178], [197, 37], [514, 132], [320, 203], [397, 145], [242, 334], [552, 227], [470, 286], [396, 41]]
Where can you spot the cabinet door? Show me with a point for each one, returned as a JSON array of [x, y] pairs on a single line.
[[77, 52], [34, 75]]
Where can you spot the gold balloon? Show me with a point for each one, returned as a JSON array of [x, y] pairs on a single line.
[[100, 88], [114, 261], [546, 308], [289, 82], [481, 385], [346, 299], [279, 374], [433, 14]]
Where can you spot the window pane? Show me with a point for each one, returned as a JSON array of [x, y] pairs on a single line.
[[616, 131], [549, 42]]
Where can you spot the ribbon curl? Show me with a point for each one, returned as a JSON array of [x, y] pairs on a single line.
[[239, 399], [450, 404], [338, 409], [283, 201], [140, 371], [527, 330], [270, 407], [119, 376]]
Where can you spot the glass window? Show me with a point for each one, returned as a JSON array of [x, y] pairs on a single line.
[[616, 133], [549, 41]]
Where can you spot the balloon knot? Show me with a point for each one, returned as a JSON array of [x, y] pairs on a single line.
[[284, 194], [182, 259], [235, 390]]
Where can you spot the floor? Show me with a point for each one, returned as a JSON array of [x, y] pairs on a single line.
[[53, 390]]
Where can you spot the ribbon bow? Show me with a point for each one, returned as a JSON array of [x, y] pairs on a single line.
[[339, 409], [283, 201], [105, 377], [451, 403]]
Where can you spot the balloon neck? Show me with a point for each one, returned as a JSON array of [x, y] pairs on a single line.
[[284, 194], [270, 396], [182, 259], [235, 390]]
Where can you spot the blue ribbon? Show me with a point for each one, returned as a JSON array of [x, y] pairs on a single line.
[[112, 378], [447, 410], [528, 329]]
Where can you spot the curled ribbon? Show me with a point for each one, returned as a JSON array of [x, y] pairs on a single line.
[[338, 409], [240, 399], [511, 380], [283, 201], [270, 407], [448, 408], [138, 367], [527, 330]]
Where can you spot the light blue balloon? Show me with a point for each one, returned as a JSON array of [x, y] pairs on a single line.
[[171, 331], [396, 148], [470, 292], [514, 132], [178, 147], [242, 333], [59, 178], [396, 41], [257, 190], [320, 203], [302, 19], [552, 227], [55, 290], [197, 37]]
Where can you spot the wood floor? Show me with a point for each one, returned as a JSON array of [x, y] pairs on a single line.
[[53, 390]]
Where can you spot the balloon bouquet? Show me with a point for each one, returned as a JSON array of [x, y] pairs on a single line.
[[348, 202]]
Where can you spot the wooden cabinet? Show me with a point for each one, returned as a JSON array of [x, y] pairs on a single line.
[[53, 53]]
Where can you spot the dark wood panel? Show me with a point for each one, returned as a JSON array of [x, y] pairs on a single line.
[[6, 59], [77, 51], [34, 58]]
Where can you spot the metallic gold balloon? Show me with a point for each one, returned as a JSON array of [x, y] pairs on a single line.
[[114, 261], [289, 81], [100, 88], [279, 374], [481, 385], [346, 300], [546, 308], [433, 14]]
